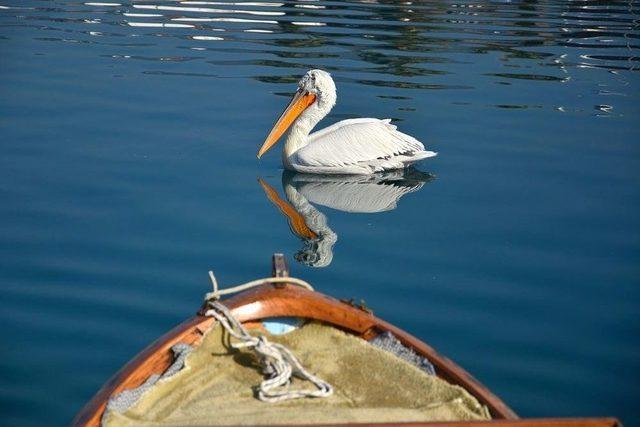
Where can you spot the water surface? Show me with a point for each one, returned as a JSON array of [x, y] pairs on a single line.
[[128, 134]]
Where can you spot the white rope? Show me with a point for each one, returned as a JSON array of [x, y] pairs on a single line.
[[216, 294], [279, 364]]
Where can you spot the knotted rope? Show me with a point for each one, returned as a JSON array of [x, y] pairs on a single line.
[[279, 364]]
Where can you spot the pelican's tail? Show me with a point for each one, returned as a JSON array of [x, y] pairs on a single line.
[[402, 161], [421, 155]]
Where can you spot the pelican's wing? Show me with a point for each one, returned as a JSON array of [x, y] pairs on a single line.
[[368, 142], [356, 195]]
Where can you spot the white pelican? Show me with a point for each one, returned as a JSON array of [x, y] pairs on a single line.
[[355, 194], [354, 146]]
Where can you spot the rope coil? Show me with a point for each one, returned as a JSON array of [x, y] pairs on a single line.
[[279, 364]]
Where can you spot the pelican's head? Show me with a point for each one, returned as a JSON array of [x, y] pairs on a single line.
[[315, 88], [319, 83]]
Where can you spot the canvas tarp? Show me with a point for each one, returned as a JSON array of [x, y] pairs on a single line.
[[215, 387]]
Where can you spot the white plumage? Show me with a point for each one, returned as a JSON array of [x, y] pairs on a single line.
[[355, 146]]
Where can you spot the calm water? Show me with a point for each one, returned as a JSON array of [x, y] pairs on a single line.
[[128, 134]]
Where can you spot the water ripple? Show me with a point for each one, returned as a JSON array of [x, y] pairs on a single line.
[[367, 35]]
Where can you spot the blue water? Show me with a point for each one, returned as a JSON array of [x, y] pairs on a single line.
[[128, 135]]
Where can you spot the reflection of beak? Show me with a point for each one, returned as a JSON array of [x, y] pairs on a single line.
[[300, 102], [296, 221]]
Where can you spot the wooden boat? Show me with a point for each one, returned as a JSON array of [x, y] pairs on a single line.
[[285, 300]]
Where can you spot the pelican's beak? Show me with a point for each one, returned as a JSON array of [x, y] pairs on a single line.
[[300, 102]]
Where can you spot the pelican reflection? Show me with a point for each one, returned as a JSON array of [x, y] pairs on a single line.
[[347, 193]]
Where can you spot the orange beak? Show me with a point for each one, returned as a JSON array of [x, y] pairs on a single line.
[[300, 102], [296, 221]]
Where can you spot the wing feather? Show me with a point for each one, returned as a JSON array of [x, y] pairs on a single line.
[[368, 142]]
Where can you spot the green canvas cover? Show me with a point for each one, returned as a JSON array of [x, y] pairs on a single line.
[[215, 387]]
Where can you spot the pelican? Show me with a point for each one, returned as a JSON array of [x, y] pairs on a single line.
[[353, 194], [355, 146]]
